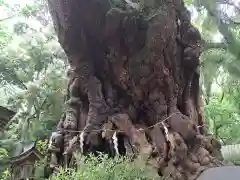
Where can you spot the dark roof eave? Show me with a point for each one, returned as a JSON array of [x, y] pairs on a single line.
[[5, 116], [9, 113], [25, 155]]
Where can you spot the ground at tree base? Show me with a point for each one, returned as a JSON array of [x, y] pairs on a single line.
[[133, 87]]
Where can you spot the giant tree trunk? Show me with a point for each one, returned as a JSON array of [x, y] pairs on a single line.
[[133, 79]]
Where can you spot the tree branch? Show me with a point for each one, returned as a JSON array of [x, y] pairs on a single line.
[[223, 28], [231, 3], [221, 99], [231, 20]]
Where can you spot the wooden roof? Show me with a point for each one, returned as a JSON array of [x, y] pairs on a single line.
[[5, 116], [24, 151]]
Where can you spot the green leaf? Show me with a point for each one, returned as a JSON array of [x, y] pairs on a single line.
[[187, 2]]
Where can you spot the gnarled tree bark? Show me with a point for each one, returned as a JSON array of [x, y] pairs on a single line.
[[133, 86]]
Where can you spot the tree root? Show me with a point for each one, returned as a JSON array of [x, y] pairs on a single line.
[[174, 156], [169, 154]]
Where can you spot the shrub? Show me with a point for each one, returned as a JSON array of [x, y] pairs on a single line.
[[104, 168]]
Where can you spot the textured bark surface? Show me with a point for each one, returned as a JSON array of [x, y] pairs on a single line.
[[133, 87]]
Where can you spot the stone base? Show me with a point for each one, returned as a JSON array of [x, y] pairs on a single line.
[[221, 173]]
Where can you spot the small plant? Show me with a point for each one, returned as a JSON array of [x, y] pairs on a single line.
[[6, 175]]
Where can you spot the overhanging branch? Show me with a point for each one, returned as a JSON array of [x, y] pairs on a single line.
[[223, 28]]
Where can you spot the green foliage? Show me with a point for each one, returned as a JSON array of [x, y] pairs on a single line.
[[222, 109], [42, 146], [220, 69], [223, 120], [102, 168], [32, 75], [3, 153], [6, 175], [3, 161], [235, 159], [32, 68], [188, 2]]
